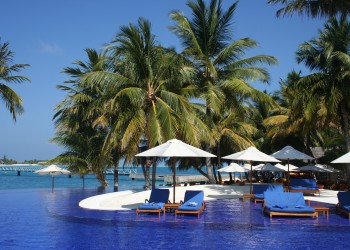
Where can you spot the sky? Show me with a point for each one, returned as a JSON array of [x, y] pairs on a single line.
[[50, 35]]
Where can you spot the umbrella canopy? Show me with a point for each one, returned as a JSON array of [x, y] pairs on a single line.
[[290, 153], [52, 170], [314, 168], [272, 168], [285, 167], [175, 148], [233, 168], [343, 159], [251, 154]]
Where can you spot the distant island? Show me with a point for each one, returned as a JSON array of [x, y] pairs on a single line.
[[8, 161]]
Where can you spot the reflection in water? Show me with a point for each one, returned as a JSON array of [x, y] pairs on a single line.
[[41, 219]]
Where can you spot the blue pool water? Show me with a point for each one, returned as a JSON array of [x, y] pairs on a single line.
[[40, 219], [32, 217]]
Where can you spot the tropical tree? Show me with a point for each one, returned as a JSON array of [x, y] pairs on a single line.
[[152, 85], [12, 100], [313, 8], [76, 118], [328, 56], [298, 119], [222, 72]]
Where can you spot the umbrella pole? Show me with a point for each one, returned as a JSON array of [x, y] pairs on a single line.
[[251, 177], [288, 176], [53, 182], [174, 180]]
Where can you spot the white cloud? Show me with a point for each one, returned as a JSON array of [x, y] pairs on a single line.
[[50, 48]]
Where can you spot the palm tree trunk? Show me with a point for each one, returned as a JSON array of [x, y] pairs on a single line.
[[219, 162], [210, 171], [154, 171], [147, 175], [116, 177], [102, 179]]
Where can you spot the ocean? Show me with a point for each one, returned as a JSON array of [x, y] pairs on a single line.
[[31, 180]]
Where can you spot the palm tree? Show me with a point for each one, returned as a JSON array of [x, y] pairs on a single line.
[[150, 87], [221, 70], [13, 102], [76, 118], [313, 8], [298, 119], [328, 56]]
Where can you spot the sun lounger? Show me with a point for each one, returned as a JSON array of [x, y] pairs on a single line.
[[193, 203], [156, 202], [286, 204], [303, 185], [343, 205], [259, 189]]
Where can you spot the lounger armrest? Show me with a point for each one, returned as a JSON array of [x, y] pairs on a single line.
[[146, 200]]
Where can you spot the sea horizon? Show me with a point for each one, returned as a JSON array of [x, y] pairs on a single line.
[[31, 180]]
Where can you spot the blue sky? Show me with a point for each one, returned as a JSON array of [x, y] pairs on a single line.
[[51, 35]]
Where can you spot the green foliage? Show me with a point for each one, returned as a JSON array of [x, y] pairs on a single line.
[[313, 8], [7, 161], [137, 90], [12, 100]]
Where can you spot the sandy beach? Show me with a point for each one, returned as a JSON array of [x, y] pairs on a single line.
[[126, 200]]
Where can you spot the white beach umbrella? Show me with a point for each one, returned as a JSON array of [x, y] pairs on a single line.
[[251, 154], [285, 167], [314, 168], [233, 168], [175, 148], [290, 153], [256, 167], [52, 170], [343, 159], [272, 168]]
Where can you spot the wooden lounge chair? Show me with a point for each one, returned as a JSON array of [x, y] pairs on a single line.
[[193, 203], [303, 185], [287, 204], [155, 204], [343, 205]]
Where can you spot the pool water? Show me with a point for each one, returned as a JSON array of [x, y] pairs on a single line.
[[40, 219]]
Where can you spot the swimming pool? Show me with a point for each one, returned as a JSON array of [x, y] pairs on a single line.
[[39, 219]]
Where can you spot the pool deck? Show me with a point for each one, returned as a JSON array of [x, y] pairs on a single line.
[[126, 200]]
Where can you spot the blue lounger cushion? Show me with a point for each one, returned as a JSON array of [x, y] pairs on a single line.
[[303, 184], [286, 202], [259, 189], [152, 206], [347, 208], [259, 196], [344, 200], [193, 201], [159, 195], [157, 200]]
